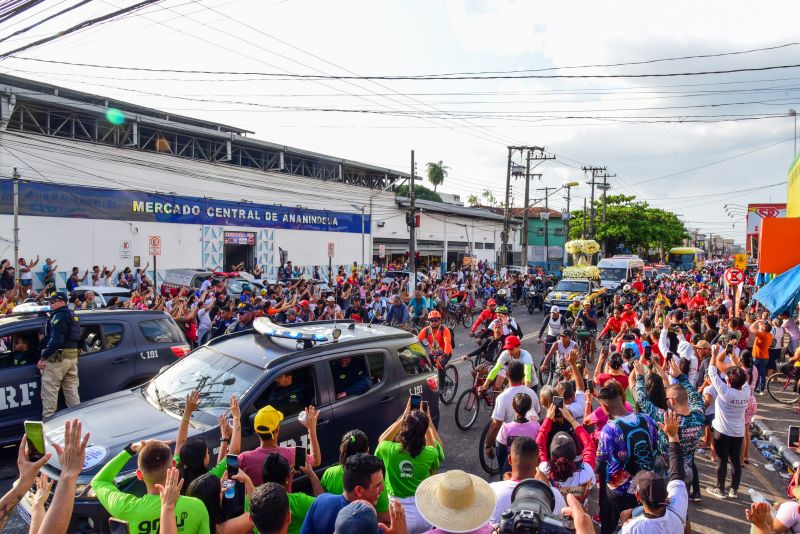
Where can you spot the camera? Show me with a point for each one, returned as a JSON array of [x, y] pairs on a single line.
[[531, 511]]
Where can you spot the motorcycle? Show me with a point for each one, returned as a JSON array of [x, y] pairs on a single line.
[[534, 300]]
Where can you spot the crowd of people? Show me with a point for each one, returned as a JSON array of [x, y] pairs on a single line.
[[680, 367]]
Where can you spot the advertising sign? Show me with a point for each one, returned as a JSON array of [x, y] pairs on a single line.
[[239, 238], [79, 202], [756, 213]]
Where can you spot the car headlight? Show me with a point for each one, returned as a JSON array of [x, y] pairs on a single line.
[[84, 491]]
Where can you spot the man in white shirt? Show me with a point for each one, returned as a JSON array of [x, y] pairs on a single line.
[[523, 459], [683, 349]]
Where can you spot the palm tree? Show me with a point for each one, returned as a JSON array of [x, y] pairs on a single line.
[[437, 172], [473, 201], [490, 199]]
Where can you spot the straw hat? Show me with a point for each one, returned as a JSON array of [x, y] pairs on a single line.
[[455, 501]]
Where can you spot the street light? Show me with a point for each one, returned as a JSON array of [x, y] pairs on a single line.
[[361, 208]]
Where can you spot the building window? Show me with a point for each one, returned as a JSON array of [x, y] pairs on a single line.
[[558, 231], [540, 230], [488, 246], [478, 245]]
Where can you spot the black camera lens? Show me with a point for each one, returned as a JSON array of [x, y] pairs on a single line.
[[532, 494]]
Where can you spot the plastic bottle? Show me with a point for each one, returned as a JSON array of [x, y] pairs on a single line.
[[757, 496]]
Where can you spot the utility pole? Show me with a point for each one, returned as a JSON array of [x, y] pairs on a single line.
[[547, 225], [566, 226], [534, 153], [525, 211], [16, 225], [605, 187], [411, 219], [583, 233], [593, 183]]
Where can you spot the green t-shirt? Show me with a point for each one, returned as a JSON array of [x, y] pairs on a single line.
[[404, 473], [332, 481], [299, 504], [143, 513]]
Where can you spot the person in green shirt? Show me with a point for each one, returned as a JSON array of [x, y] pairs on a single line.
[[143, 513], [192, 456], [411, 450], [276, 469], [353, 442]]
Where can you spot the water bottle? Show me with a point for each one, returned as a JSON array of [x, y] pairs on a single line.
[[756, 496]]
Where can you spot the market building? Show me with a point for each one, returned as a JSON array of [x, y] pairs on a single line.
[[102, 182]]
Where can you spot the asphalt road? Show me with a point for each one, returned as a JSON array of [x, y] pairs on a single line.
[[461, 450]]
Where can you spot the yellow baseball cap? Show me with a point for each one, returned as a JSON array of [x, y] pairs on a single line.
[[267, 420]]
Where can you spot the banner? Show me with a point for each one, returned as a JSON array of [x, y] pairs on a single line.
[[756, 213], [78, 202]]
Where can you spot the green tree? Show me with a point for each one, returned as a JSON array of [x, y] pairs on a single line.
[[437, 172], [473, 201], [490, 199], [632, 225], [420, 191]]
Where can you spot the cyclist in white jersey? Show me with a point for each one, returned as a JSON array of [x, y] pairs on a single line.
[[554, 323], [561, 349]]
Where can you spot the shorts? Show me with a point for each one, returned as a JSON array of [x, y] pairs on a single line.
[[774, 356], [709, 419], [750, 411], [25, 282]]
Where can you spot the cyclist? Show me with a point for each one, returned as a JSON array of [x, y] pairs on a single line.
[[573, 309], [560, 350], [614, 323], [512, 352], [554, 323], [488, 315], [419, 306], [502, 298], [587, 317], [506, 322], [628, 316], [439, 340]]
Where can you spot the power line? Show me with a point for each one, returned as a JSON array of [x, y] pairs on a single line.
[[315, 77], [39, 23]]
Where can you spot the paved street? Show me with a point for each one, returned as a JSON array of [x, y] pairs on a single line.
[[461, 450]]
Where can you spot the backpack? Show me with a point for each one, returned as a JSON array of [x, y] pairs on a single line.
[[637, 442]]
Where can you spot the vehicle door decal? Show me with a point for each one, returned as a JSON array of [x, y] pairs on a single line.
[[16, 396]]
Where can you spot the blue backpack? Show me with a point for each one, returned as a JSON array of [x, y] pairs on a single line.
[[641, 455]]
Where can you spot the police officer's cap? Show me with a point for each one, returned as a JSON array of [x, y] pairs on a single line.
[[244, 308], [56, 296]]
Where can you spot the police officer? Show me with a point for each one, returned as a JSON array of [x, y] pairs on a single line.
[[244, 319], [349, 377], [287, 396], [59, 359]]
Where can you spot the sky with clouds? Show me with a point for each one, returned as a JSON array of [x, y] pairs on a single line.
[[690, 144]]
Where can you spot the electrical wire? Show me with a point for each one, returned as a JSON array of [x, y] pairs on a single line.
[[42, 21]]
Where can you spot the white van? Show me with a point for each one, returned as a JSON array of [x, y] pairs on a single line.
[[619, 270]]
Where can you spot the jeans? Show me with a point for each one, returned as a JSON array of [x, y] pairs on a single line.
[[728, 448], [761, 365], [615, 505]]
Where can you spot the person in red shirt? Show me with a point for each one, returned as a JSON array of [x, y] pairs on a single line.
[[638, 285], [699, 300], [614, 323], [628, 315], [439, 341], [486, 316], [684, 298]]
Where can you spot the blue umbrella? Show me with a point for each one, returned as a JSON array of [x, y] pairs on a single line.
[[782, 293]]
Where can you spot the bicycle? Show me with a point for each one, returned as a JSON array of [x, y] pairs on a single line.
[[782, 386], [469, 403], [448, 383], [489, 464], [458, 314], [585, 339]]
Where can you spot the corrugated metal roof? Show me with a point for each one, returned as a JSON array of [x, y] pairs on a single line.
[[454, 209]]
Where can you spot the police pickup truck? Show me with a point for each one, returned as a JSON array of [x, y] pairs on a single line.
[[568, 289], [247, 364], [118, 349]]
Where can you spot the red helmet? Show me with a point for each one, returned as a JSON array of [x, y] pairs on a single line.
[[511, 342], [628, 307], [491, 302]]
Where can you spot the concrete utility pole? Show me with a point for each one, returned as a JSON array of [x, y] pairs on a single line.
[[534, 153], [16, 225], [411, 219], [583, 233], [547, 225], [593, 183], [605, 186], [525, 211]]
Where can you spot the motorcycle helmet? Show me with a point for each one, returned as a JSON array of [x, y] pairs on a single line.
[[576, 299], [626, 289], [501, 293]]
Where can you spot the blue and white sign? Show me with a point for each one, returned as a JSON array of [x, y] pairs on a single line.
[[71, 201]]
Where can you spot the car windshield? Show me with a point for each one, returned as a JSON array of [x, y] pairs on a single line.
[[571, 286], [614, 274], [216, 376], [237, 286]]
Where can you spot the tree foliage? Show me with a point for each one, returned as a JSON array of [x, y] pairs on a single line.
[[473, 201], [437, 172], [489, 199], [420, 191], [631, 225]]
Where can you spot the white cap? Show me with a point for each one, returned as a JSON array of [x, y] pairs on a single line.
[[554, 309]]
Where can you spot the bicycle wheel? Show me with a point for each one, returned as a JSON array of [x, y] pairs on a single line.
[[782, 388], [490, 465], [448, 390], [548, 374], [466, 319], [467, 409]]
